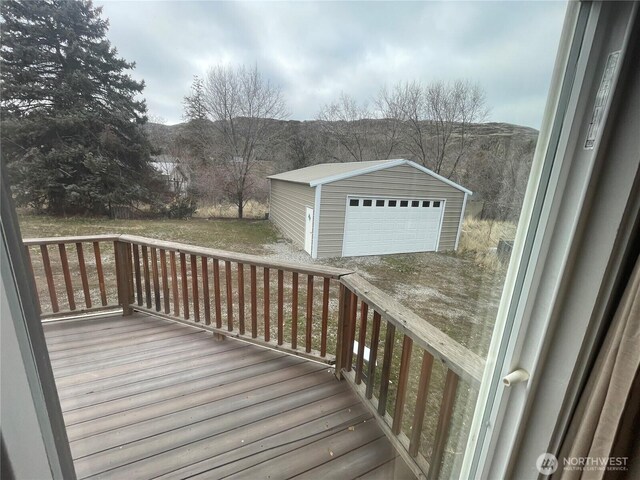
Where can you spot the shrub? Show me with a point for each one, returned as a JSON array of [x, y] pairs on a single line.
[[179, 207]]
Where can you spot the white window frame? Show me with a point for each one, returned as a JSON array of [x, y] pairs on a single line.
[[537, 328]]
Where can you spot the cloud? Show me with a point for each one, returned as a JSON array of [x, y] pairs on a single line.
[[315, 50]]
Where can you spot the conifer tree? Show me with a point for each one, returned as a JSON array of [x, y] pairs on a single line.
[[72, 119]]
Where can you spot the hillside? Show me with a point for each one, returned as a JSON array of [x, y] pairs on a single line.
[[495, 164]]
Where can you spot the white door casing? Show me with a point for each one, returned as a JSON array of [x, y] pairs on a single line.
[[378, 226], [308, 231]]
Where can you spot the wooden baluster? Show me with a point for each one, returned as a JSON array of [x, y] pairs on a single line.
[[267, 307], [373, 356], [294, 311], [401, 394], [83, 275], [130, 269], [227, 276], [216, 292], [309, 313], [49, 274], [174, 283], [123, 273], [421, 402], [342, 339], [103, 290], [156, 279], [67, 276], [325, 317], [185, 285], [241, 325], [364, 310], [205, 291], [165, 281], [280, 307], [386, 369], [136, 269], [254, 304], [194, 288], [444, 421], [147, 276], [33, 276], [353, 312]]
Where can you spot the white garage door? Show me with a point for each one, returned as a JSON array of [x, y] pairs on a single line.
[[376, 226]]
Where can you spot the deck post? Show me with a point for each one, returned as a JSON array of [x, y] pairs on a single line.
[[344, 307], [123, 274]]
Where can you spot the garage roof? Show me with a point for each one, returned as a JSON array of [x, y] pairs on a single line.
[[332, 172]]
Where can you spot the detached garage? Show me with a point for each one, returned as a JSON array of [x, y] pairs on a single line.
[[367, 208]]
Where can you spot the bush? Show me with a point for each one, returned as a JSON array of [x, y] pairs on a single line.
[[179, 207]]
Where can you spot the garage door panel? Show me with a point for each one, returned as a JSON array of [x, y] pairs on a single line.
[[383, 228]]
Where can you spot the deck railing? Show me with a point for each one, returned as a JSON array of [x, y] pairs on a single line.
[[384, 350]]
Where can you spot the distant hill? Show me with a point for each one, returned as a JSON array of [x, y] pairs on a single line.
[[495, 166]]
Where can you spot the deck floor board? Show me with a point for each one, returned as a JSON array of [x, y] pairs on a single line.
[[144, 397]]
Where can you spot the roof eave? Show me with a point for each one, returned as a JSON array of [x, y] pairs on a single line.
[[375, 168]]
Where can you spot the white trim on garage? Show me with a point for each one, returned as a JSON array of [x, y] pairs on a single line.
[[383, 166], [373, 198], [316, 222], [444, 207], [464, 205], [439, 177]]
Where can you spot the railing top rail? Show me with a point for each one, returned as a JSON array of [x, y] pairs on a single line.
[[75, 239], [462, 361], [320, 270]]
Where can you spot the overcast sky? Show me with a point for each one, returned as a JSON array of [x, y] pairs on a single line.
[[315, 50]]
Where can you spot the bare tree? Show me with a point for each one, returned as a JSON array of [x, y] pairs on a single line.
[[435, 120], [345, 121], [242, 104], [390, 114], [451, 108], [302, 145]]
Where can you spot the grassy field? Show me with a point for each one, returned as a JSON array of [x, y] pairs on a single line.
[[248, 236], [457, 292]]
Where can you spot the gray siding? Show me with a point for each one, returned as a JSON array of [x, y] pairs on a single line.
[[287, 208], [401, 181]]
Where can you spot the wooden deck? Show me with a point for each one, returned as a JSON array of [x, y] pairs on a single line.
[[145, 397]]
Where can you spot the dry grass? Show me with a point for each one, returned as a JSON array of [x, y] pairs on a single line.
[[480, 238], [252, 209]]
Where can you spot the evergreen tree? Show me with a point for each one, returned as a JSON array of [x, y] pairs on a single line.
[[71, 123], [194, 104], [197, 136]]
